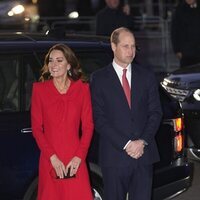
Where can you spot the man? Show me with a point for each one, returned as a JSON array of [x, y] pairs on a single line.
[[113, 16], [185, 32], [126, 120]]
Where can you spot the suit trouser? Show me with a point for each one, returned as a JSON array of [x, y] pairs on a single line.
[[134, 180]]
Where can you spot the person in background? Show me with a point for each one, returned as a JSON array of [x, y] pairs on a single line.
[[60, 103], [127, 114], [91, 7], [112, 16], [185, 32], [126, 7], [48, 8]]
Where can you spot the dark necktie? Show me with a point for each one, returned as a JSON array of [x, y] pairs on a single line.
[[126, 87]]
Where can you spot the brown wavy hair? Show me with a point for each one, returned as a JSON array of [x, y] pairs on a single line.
[[75, 72]]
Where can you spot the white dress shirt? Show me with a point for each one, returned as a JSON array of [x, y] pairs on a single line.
[[119, 71]]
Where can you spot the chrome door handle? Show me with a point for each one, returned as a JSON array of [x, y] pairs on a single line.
[[26, 130]]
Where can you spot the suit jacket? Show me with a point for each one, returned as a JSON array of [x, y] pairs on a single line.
[[117, 123]]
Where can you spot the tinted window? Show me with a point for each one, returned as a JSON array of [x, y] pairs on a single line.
[[91, 61], [32, 66], [17, 73], [9, 83]]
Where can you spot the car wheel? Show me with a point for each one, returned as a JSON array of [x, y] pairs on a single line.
[[97, 186], [192, 150], [31, 193], [195, 153]]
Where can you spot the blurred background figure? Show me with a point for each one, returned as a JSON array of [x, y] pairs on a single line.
[[89, 7], [126, 7], [114, 15], [185, 32], [51, 8], [48, 9]]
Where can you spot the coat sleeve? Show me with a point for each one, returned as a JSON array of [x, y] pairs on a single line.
[[87, 125], [177, 32], [37, 123], [154, 110]]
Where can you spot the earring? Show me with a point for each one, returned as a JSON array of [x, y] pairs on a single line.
[[69, 72]]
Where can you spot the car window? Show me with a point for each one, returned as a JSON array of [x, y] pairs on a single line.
[[9, 83], [17, 74], [29, 79], [91, 61], [32, 66]]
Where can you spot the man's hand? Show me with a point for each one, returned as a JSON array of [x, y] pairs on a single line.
[[135, 148]]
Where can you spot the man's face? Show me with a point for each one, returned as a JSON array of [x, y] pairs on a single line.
[[112, 3], [124, 51], [190, 2]]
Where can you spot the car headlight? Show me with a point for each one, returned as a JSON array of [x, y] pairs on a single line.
[[16, 10], [196, 94]]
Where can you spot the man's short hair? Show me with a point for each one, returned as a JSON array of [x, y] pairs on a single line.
[[114, 38]]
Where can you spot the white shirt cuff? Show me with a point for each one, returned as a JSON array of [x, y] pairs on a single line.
[[126, 144]]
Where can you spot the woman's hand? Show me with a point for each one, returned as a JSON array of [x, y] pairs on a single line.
[[73, 165], [58, 166]]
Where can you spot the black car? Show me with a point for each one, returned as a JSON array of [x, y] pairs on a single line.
[[21, 59], [184, 86]]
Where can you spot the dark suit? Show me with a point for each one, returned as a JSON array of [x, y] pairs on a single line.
[[116, 123], [109, 19], [185, 33]]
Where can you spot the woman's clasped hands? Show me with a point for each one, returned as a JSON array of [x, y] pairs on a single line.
[[61, 170]]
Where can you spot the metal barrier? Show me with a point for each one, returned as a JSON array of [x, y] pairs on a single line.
[[152, 36]]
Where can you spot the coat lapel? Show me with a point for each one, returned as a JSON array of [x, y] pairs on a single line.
[[136, 82], [116, 85]]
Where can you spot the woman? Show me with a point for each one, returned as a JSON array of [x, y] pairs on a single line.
[[60, 103]]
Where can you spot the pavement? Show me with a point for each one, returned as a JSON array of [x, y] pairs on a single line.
[[193, 193]]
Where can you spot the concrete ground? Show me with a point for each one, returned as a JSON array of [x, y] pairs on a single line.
[[193, 193]]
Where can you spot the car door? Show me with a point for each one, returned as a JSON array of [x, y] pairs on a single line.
[[19, 152]]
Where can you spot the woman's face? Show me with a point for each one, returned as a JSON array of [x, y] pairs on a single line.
[[58, 64]]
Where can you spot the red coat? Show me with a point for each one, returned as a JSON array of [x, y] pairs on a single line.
[[55, 123]]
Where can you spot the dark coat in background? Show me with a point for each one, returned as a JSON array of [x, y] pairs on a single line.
[[185, 33], [107, 20]]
